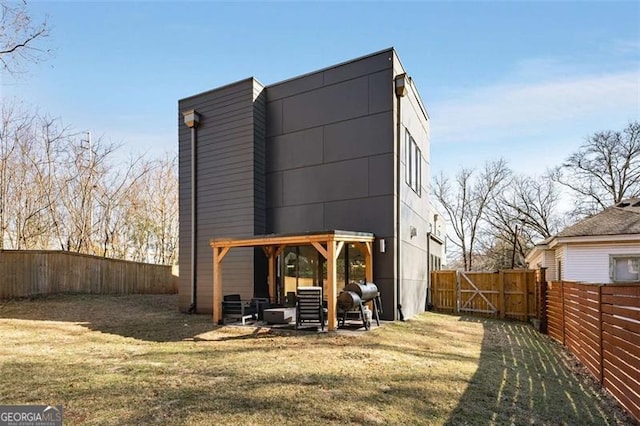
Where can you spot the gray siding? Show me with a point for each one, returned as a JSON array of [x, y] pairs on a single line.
[[230, 186], [414, 208], [316, 152], [330, 156]]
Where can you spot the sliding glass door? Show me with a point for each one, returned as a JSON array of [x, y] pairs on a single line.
[[303, 266]]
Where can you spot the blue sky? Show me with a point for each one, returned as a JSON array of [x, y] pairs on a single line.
[[527, 81]]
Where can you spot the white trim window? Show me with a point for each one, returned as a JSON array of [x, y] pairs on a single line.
[[624, 267], [413, 163]]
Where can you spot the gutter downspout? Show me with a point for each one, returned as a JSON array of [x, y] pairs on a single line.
[[400, 91], [191, 119], [427, 301], [430, 234]]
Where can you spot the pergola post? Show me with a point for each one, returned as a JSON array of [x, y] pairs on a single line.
[[331, 284], [272, 274], [368, 262], [217, 285]]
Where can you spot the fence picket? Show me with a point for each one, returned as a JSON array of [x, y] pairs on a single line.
[[485, 293], [617, 346], [29, 273]]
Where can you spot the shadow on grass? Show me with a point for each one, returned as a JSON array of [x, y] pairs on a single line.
[[153, 318], [415, 372], [137, 393], [146, 317], [525, 378]]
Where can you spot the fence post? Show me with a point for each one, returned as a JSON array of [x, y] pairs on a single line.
[[544, 324], [458, 292], [601, 347], [501, 307], [525, 277], [542, 301], [564, 325]]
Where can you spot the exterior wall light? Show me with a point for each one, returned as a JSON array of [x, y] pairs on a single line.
[[401, 85], [191, 118]]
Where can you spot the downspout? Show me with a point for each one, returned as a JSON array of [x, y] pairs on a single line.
[[427, 301], [191, 119], [400, 90], [433, 231]]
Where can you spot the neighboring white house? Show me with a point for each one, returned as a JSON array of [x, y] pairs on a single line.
[[604, 248]]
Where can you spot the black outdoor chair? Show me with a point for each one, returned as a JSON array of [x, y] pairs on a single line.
[[260, 304], [290, 299], [309, 307], [233, 307]]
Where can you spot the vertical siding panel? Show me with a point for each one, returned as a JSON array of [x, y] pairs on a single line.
[[229, 188]]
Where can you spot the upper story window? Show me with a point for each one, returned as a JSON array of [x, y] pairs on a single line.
[[413, 163], [624, 267]]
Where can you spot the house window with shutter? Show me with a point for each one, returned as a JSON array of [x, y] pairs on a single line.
[[624, 268]]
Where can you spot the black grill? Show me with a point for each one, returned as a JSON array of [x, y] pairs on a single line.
[[352, 303]]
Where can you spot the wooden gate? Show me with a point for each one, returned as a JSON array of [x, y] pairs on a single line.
[[505, 294], [476, 293], [444, 290]]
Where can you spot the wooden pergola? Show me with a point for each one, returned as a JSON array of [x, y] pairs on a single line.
[[328, 243]]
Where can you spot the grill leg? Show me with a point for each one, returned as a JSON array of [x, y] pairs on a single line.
[[376, 301]]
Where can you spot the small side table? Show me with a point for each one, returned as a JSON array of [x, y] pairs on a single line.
[[279, 315]]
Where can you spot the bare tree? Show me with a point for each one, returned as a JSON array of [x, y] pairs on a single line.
[[82, 166], [524, 213], [537, 202], [60, 189], [466, 202], [24, 172], [163, 199], [151, 223], [118, 193], [604, 170], [10, 126], [20, 36]]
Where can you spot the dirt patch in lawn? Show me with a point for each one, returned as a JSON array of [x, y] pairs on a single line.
[[137, 360]]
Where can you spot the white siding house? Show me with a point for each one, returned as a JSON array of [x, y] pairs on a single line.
[[604, 248]]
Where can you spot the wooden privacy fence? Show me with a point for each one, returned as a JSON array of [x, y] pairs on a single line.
[[600, 325], [29, 273], [505, 294]]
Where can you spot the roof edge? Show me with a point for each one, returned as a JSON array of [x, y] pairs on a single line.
[[226, 86], [604, 238], [421, 103], [360, 58]]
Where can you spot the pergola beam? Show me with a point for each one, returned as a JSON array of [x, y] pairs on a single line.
[[288, 240], [320, 249]]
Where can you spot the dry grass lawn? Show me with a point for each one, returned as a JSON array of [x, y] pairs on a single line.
[[136, 360]]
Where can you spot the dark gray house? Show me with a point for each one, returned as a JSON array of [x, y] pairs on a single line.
[[345, 147]]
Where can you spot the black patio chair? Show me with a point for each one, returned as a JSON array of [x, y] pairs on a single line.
[[233, 307], [260, 304], [309, 307]]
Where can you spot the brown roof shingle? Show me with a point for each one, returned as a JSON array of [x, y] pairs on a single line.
[[623, 218]]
